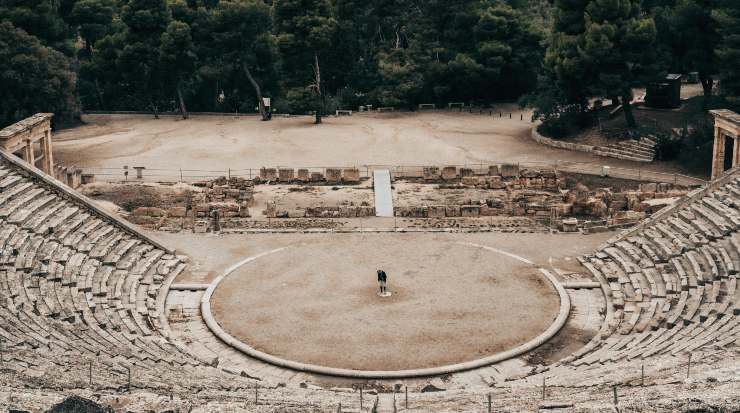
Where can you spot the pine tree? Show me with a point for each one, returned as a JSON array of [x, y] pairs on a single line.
[[33, 78], [139, 61], [698, 32], [728, 16], [241, 31], [619, 46], [304, 29]]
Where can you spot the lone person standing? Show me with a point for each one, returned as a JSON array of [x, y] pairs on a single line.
[[382, 280]]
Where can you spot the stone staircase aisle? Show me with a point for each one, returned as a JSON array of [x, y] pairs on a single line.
[[642, 150]]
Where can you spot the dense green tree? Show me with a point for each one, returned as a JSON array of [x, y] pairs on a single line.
[[698, 31], [618, 43], [42, 19], [241, 31], [304, 29], [177, 59], [139, 62], [33, 78], [728, 16], [94, 19]]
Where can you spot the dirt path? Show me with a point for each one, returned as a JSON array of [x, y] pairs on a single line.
[[208, 142]]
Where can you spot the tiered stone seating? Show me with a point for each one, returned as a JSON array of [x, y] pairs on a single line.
[[671, 285], [78, 284]]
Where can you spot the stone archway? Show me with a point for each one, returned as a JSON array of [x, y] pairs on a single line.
[[726, 124]]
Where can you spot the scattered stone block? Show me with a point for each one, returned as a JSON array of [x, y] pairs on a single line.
[[510, 170], [570, 225], [465, 172], [431, 173], [200, 226], [470, 210], [496, 182], [351, 176], [176, 212], [149, 211], [437, 211], [286, 175], [304, 175], [333, 175], [651, 187], [449, 173], [268, 174], [452, 211], [493, 170], [317, 177]]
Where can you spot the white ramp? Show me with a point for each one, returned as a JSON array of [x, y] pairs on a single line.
[[383, 194]]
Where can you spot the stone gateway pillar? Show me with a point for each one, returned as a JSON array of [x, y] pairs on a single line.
[[21, 137], [726, 125]]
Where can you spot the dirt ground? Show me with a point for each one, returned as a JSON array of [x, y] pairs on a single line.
[[329, 280], [451, 303], [208, 143]]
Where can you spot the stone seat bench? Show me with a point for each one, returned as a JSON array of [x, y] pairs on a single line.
[[704, 227], [649, 248], [123, 247], [694, 270], [732, 216], [106, 245], [635, 254], [668, 242], [69, 226], [709, 262], [624, 262], [680, 226], [675, 315], [20, 200], [660, 344], [692, 306], [56, 220], [90, 240], [718, 224], [9, 194]]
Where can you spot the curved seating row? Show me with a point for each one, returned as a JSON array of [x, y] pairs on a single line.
[[75, 286], [672, 284]]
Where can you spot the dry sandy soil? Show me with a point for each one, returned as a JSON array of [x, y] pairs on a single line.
[[221, 142], [303, 302]]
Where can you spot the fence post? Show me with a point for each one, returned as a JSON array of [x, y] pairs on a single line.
[[688, 367], [128, 389], [360, 398], [543, 387], [256, 394], [616, 398], [90, 372], [642, 376], [489, 402], [2, 350], [407, 397]]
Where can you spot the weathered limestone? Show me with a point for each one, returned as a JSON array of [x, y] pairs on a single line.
[[22, 137], [333, 175], [269, 174], [351, 176], [449, 173], [285, 175]]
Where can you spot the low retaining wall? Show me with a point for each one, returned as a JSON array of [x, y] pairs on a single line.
[[537, 137]]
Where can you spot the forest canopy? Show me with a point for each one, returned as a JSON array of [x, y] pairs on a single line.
[[314, 56]]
